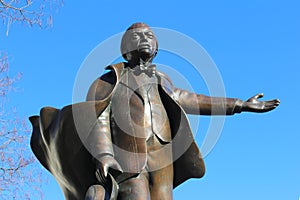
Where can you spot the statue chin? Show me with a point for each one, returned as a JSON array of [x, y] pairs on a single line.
[[145, 54]]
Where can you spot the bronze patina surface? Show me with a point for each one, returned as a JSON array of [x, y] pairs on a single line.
[[137, 140]]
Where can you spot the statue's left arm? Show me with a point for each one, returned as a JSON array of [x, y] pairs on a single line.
[[199, 104], [205, 105]]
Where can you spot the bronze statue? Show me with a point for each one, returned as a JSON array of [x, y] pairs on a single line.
[[138, 143]]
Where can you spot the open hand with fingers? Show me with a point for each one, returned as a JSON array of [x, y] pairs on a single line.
[[255, 105]]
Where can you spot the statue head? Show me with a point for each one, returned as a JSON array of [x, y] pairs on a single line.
[[139, 42]]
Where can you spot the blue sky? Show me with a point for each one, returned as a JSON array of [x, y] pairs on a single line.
[[256, 47]]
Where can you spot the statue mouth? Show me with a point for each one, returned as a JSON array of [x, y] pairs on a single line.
[[144, 46]]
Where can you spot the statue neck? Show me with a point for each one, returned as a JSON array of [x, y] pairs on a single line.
[[139, 63]]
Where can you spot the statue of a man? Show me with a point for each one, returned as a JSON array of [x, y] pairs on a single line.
[[141, 142], [146, 112]]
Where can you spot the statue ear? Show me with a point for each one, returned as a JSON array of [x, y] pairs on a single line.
[[156, 50]]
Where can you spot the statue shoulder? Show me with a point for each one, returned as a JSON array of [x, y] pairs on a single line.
[[102, 87], [117, 68]]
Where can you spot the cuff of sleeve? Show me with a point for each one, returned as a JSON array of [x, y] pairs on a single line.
[[238, 106]]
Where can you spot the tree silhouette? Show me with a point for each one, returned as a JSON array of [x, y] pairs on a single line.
[[28, 12], [19, 176]]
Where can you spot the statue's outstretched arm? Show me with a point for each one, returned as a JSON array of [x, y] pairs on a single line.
[[205, 105]]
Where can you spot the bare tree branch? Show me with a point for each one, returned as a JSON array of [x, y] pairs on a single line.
[[17, 163], [28, 12], [18, 174]]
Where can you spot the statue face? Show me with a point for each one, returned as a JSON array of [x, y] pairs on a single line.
[[141, 42]]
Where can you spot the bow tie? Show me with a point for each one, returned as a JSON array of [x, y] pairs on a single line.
[[150, 70]]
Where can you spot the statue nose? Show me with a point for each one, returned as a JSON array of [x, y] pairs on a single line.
[[144, 40], [144, 37]]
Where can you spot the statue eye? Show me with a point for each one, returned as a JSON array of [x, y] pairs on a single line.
[[134, 36], [150, 35]]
